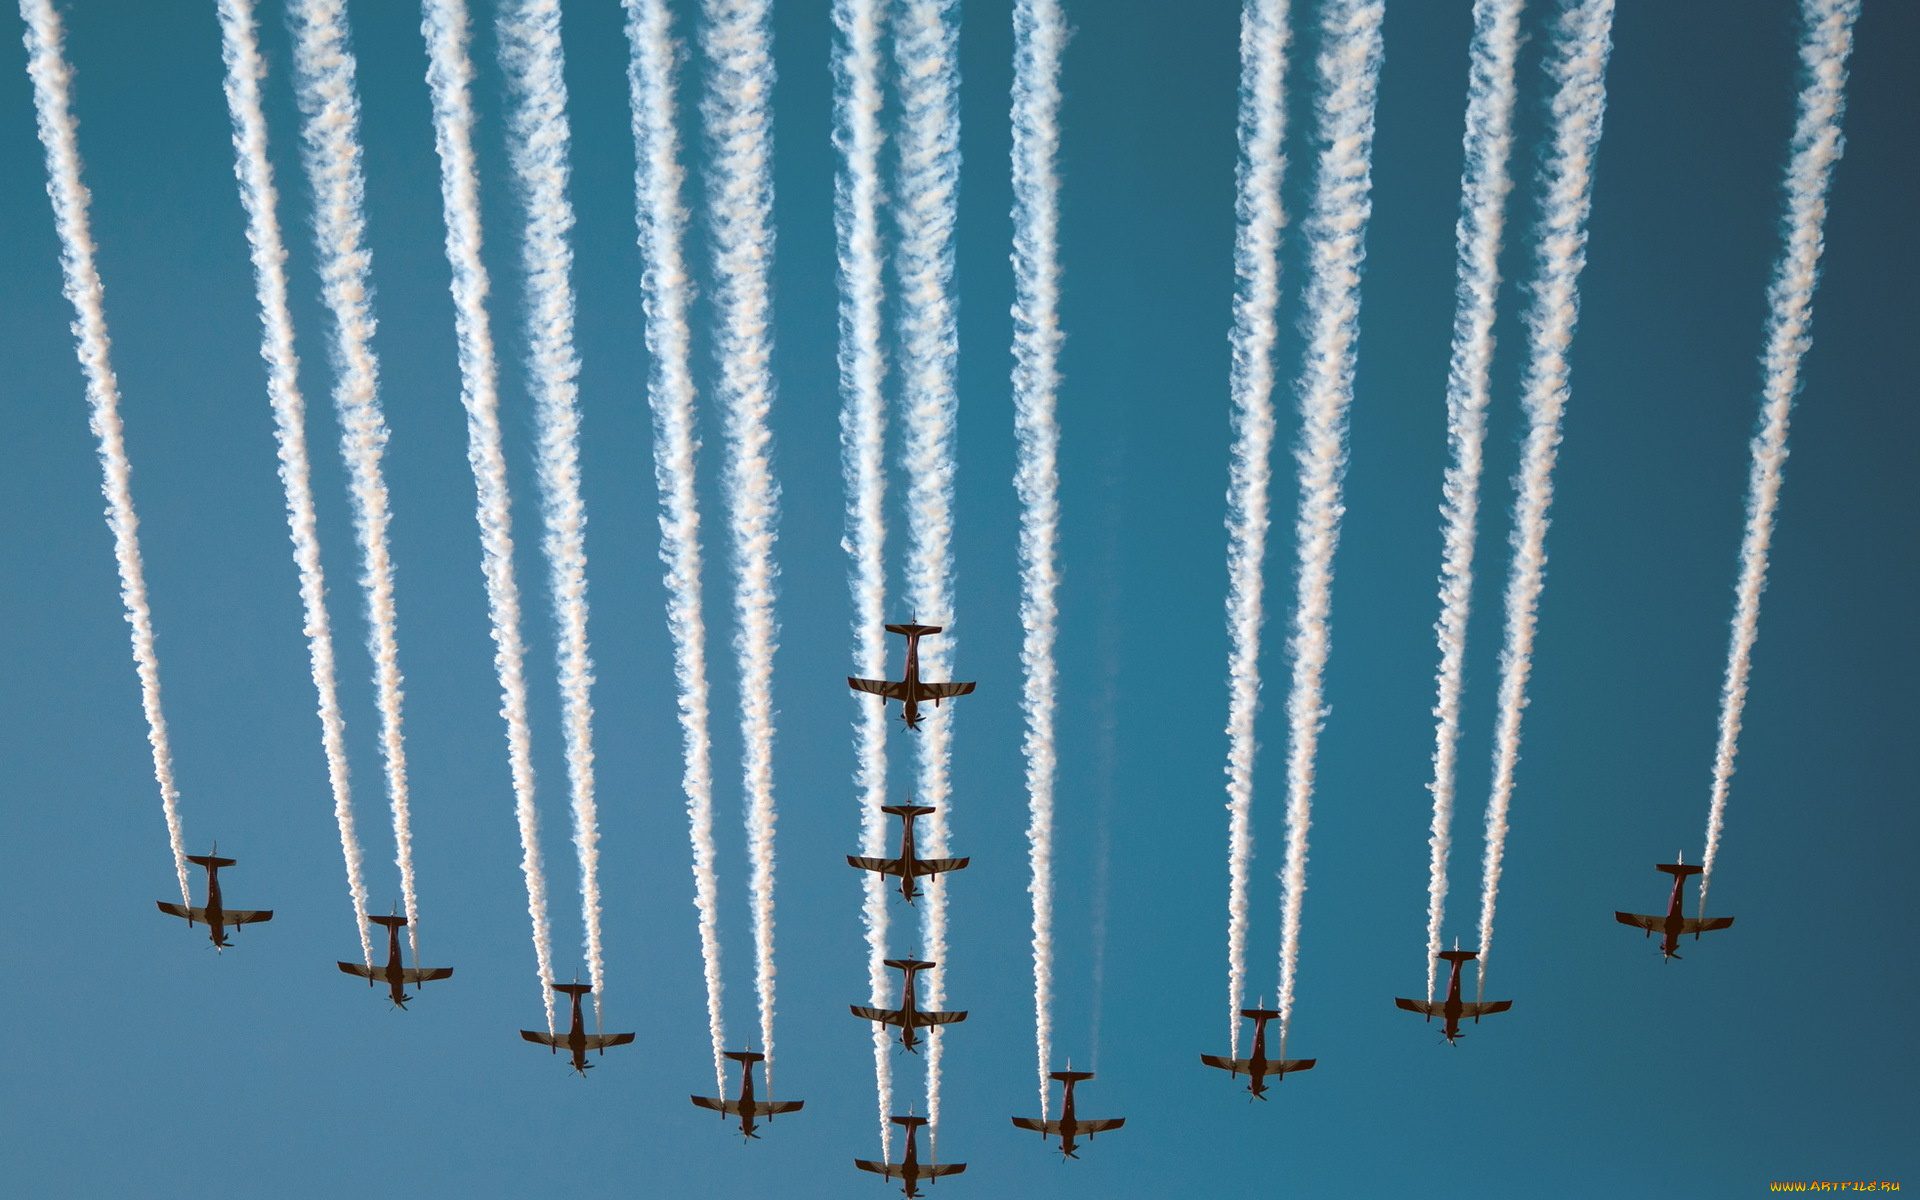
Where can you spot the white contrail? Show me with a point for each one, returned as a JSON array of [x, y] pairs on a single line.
[[927, 54], [1040, 34], [324, 74], [662, 230], [1824, 48], [1349, 68], [739, 123], [1484, 185], [240, 48], [863, 433], [1256, 263], [444, 24], [537, 144], [1578, 63], [52, 79]]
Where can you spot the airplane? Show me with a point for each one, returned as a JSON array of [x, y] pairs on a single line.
[[1453, 1008], [577, 1040], [393, 973], [214, 916], [908, 1016], [746, 1107], [910, 689], [908, 1169], [908, 866], [1069, 1127], [1673, 925], [1257, 1067]]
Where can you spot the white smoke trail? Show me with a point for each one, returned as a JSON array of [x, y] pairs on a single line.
[[863, 432], [444, 24], [537, 143], [1349, 68], [240, 49], [1824, 48], [1578, 63], [926, 52], [667, 291], [52, 80], [1256, 263], [739, 121], [1040, 34], [324, 74], [1484, 185]]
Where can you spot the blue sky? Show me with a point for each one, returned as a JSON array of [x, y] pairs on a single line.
[[141, 1064]]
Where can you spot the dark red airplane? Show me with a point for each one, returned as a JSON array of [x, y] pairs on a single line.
[[911, 689], [1069, 1126], [214, 916], [746, 1107], [393, 974], [1453, 1008], [909, 1169], [1672, 926], [1258, 1066], [908, 1016], [577, 1041], [909, 866]]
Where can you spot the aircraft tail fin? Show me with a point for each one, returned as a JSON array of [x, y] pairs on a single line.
[[905, 810], [1679, 870], [915, 630], [208, 860], [573, 989], [744, 1056], [1459, 956], [1070, 1076]]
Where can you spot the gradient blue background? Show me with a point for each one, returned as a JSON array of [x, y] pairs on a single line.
[[138, 1063]]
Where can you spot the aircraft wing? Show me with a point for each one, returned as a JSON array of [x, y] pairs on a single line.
[[1050, 1128], [923, 1019], [424, 974], [929, 1169], [891, 689], [1707, 925], [556, 1040], [773, 1108], [890, 1170], [1476, 1011], [886, 866], [364, 972], [1238, 1066], [933, 866], [1650, 924], [1423, 1008], [730, 1107], [1092, 1127], [241, 916], [181, 910], [600, 1041], [941, 691], [887, 1016]]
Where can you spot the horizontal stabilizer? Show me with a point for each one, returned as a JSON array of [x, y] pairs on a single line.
[[1459, 956], [1071, 1076], [555, 1040], [923, 1019], [1679, 870], [208, 860], [886, 866], [891, 689], [1049, 1128], [1257, 1014], [909, 1122], [915, 630], [573, 989], [1424, 1008], [1485, 1009], [905, 810], [908, 964], [389, 922], [746, 1056], [934, 866]]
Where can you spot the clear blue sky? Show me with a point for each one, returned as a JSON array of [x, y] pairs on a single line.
[[139, 1063]]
